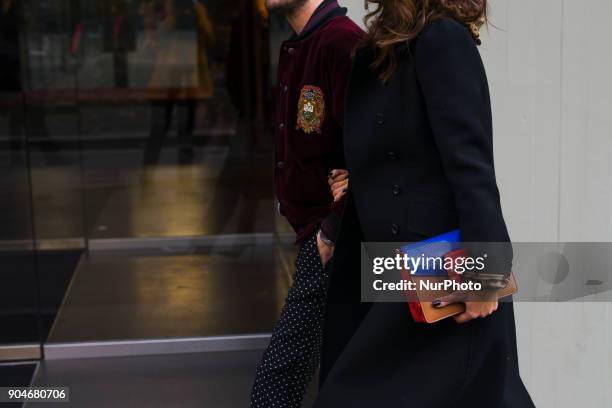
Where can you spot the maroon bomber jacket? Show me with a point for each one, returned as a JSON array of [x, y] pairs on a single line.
[[309, 107]]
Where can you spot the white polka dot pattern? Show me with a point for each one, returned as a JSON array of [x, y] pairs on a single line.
[[294, 351]]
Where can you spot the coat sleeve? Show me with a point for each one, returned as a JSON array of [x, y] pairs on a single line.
[[454, 85], [339, 57]]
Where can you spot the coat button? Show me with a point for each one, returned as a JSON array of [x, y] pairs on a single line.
[[380, 118], [285, 88], [392, 155], [395, 229], [397, 190], [291, 51], [280, 165], [281, 126]]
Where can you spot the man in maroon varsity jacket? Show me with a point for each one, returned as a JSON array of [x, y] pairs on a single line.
[[313, 68]]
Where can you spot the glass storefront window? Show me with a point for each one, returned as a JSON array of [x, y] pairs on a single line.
[[130, 125]]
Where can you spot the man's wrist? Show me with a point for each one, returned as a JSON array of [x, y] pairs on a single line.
[[325, 239]]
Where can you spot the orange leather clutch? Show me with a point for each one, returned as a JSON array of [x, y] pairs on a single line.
[[420, 297], [420, 300]]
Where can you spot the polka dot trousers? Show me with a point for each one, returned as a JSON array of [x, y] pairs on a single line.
[[293, 355]]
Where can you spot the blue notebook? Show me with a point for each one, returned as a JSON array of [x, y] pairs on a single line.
[[435, 247]]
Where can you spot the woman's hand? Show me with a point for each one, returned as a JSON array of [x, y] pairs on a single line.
[[338, 183], [477, 304]]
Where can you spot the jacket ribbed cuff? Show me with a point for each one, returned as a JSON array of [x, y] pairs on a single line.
[[329, 226]]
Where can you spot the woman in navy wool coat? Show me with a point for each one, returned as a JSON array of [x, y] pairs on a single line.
[[419, 154]]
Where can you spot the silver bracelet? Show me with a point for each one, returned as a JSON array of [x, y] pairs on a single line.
[[325, 240]]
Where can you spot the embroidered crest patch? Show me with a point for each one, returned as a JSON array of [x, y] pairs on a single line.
[[311, 109]]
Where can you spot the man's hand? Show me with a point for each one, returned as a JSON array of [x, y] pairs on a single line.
[[325, 251], [338, 182], [478, 305]]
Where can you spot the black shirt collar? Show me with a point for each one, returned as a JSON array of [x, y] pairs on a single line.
[[322, 14]]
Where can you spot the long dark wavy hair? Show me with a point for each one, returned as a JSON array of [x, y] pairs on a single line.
[[393, 22]]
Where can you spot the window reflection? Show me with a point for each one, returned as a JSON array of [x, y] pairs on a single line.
[[124, 120], [142, 117]]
